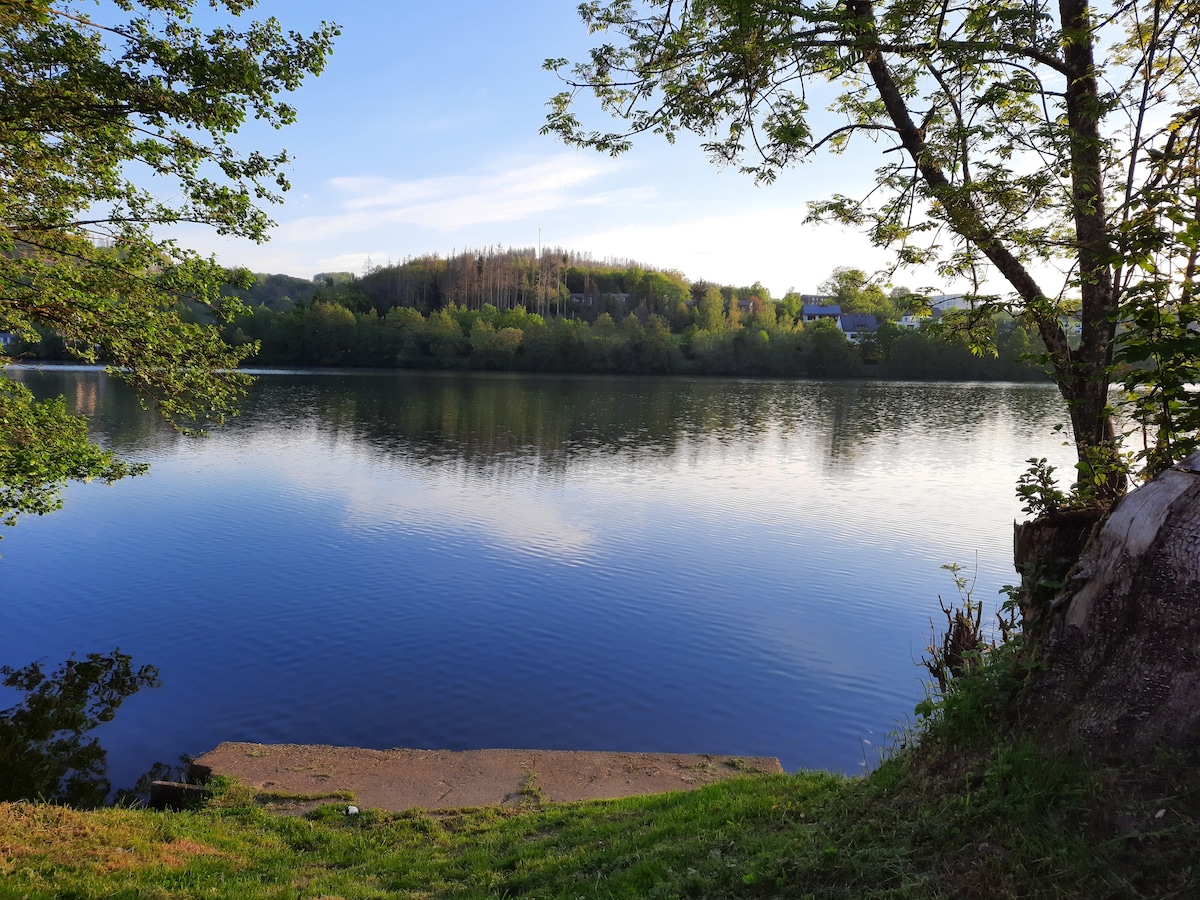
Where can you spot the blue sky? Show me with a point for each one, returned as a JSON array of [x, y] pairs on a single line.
[[422, 136]]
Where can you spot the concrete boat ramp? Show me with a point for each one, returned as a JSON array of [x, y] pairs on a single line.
[[443, 779]]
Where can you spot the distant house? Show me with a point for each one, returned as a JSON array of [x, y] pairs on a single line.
[[943, 303], [938, 306], [7, 339], [856, 325], [811, 312]]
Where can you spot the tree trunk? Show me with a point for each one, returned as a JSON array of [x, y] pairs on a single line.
[[1122, 647]]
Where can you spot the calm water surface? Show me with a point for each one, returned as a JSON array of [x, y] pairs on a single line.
[[461, 561]]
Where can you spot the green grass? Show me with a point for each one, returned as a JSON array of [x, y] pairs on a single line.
[[999, 820]]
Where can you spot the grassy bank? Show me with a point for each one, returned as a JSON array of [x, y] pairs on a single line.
[[1008, 821]]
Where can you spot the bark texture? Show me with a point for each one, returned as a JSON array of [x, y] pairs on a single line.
[[1123, 641]]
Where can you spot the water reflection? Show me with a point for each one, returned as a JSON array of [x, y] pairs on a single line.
[[487, 420], [111, 406], [471, 560], [46, 751]]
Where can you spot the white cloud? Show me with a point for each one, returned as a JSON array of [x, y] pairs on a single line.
[[454, 202], [380, 492], [382, 217]]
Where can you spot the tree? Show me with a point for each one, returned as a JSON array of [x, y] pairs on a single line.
[[1008, 148], [733, 312], [856, 293], [711, 310], [832, 355], [660, 291], [763, 312], [109, 130], [327, 333], [791, 306]]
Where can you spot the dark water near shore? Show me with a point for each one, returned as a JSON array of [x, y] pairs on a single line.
[[460, 561]]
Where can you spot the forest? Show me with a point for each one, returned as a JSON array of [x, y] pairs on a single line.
[[561, 311]]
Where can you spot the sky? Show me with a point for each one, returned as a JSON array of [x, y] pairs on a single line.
[[421, 136]]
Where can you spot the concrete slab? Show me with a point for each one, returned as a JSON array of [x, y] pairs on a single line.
[[443, 779]]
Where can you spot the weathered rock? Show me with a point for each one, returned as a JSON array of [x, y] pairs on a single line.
[[1123, 641]]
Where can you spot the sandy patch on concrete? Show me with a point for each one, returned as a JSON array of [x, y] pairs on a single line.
[[443, 779]]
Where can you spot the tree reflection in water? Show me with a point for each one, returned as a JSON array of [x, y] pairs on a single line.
[[45, 751]]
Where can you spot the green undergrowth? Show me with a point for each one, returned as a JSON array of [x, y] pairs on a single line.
[[939, 820]]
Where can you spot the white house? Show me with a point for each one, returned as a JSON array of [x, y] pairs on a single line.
[[856, 325]]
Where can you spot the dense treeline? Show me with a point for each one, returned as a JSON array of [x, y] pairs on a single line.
[[326, 333], [521, 310], [557, 311]]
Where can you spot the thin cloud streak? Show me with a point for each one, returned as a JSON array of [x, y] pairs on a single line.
[[451, 203], [544, 176]]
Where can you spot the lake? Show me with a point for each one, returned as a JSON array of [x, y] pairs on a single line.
[[469, 560]]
